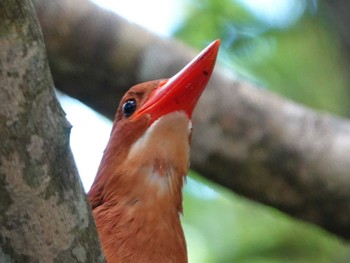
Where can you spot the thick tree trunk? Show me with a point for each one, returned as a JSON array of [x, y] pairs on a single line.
[[248, 140], [44, 215]]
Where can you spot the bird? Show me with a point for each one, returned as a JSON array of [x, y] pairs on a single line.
[[136, 197]]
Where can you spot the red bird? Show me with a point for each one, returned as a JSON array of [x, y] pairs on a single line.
[[137, 194]]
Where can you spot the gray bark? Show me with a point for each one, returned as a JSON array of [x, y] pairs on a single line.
[[251, 141], [44, 214]]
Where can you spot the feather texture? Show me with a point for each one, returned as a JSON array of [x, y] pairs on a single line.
[[136, 196]]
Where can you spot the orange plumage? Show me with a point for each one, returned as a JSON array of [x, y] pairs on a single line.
[[137, 194]]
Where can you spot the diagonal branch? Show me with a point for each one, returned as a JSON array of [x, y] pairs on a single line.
[[251, 141]]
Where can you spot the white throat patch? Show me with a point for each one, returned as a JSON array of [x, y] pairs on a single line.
[[162, 149]]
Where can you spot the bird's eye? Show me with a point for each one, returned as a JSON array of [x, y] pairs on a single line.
[[129, 107]]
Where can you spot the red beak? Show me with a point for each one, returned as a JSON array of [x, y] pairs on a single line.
[[182, 91]]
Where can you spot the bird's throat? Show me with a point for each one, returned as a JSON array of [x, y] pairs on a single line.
[[142, 199], [161, 155]]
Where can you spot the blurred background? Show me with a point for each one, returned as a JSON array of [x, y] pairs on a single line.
[[286, 46]]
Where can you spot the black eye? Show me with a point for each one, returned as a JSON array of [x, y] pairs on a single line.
[[129, 107]]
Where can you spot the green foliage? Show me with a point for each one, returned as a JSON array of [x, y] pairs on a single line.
[[302, 62], [223, 227]]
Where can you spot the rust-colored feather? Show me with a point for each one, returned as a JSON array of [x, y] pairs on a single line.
[[134, 214], [136, 196]]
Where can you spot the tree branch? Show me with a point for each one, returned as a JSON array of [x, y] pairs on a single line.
[[246, 139], [44, 215]]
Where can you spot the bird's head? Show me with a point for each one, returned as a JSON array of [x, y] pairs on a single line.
[[150, 102], [152, 128]]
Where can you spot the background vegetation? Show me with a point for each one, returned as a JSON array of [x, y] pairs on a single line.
[[297, 56]]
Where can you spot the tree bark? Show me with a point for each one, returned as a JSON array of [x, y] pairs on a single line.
[[251, 141], [44, 215]]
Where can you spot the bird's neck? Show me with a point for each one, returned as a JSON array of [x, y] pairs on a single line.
[[141, 199]]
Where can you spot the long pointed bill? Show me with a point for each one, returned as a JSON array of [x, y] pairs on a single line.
[[182, 91]]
